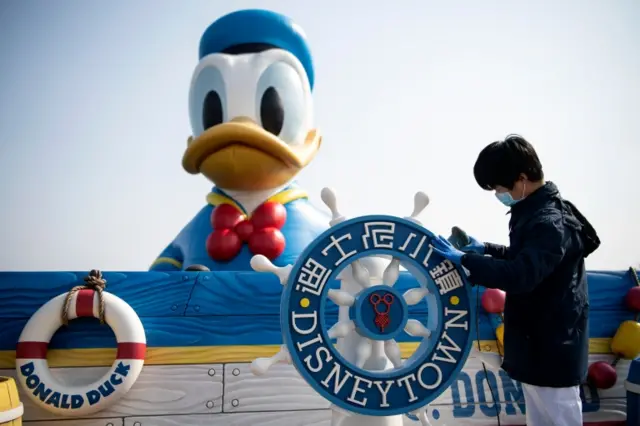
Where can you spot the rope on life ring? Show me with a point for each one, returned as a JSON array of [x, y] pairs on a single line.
[[89, 300], [93, 281]]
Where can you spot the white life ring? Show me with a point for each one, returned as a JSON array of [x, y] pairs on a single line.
[[33, 371]]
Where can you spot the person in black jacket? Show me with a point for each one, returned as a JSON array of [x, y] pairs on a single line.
[[546, 336]]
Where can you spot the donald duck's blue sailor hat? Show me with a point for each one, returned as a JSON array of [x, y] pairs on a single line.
[[257, 26]]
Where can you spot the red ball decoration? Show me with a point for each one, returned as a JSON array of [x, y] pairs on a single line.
[[633, 299], [493, 300], [223, 245], [269, 215], [603, 375], [268, 242], [225, 216], [244, 230], [261, 232]]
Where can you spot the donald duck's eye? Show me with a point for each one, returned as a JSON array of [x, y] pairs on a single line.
[[281, 102], [272, 111], [212, 113], [207, 100]]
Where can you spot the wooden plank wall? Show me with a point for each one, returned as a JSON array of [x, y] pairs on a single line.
[[225, 393]]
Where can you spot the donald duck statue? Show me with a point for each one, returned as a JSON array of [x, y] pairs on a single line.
[[250, 108]]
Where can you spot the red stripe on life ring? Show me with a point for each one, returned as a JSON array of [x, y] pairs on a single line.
[[32, 350], [38, 350], [129, 350], [84, 303]]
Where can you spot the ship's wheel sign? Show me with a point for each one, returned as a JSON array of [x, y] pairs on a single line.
[[378, 313]]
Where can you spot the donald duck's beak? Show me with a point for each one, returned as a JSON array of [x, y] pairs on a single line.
[[241, 155]]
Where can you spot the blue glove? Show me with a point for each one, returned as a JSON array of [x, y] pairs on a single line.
[[447, 250], [464, 242], [474, 246]]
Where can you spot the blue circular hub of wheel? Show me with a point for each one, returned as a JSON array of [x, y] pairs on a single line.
[[379, 313]]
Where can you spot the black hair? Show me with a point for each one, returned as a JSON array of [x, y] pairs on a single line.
[[502, 163]]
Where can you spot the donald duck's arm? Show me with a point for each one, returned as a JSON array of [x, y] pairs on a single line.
[[181, 249], [170, 259]]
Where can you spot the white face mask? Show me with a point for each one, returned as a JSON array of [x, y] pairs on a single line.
[[506, 198]]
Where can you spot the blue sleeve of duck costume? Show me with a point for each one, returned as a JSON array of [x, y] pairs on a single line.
[[170, 259]]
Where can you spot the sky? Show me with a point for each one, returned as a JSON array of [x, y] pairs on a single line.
[[94, 117]]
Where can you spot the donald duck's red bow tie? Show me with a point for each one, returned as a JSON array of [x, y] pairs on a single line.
[[231, 228]]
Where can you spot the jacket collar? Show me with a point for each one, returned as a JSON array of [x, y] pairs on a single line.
[[537, 199]]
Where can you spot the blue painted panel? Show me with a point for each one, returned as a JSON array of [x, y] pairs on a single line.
[[161, 332], [250, 293], [229, 330], [607, 289], [149, 293], [236, 293], [220, 293], [229, 293], [178, 331]]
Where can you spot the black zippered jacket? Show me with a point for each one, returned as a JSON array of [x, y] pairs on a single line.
[[546, 333]]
